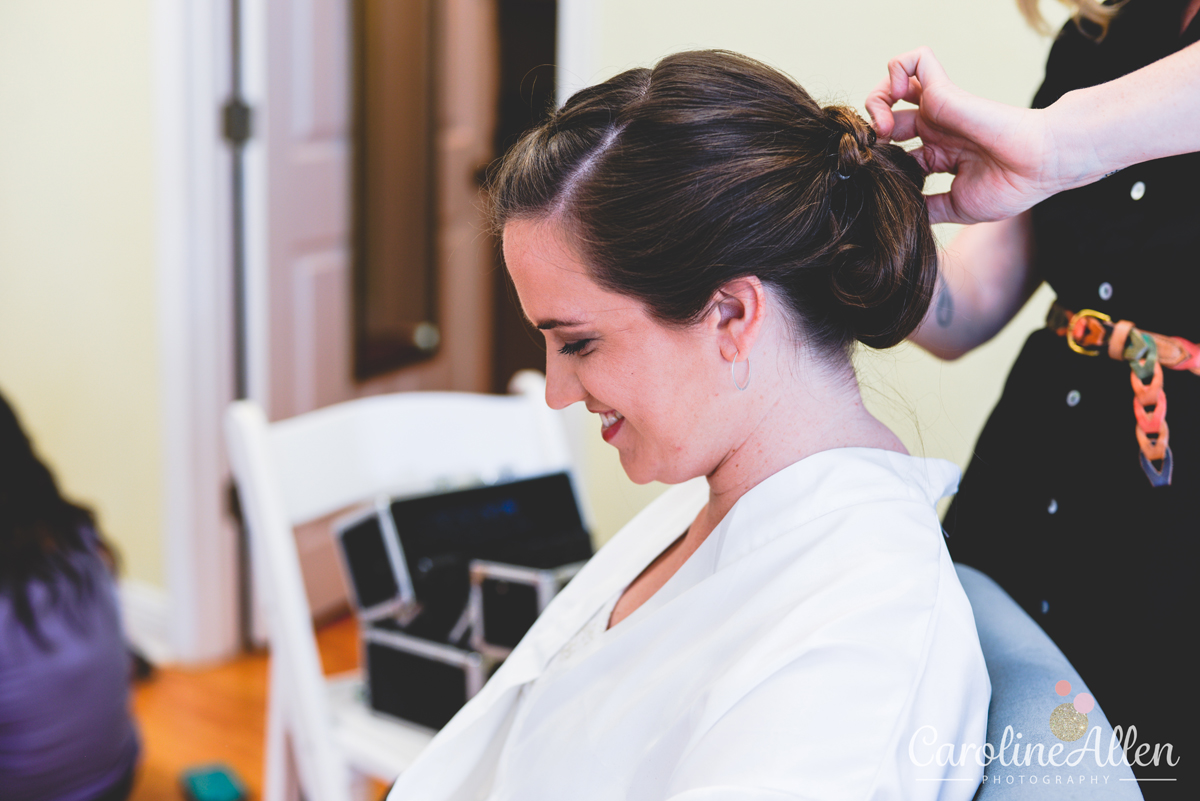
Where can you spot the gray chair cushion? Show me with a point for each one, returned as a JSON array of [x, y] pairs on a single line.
[[1025, 666]]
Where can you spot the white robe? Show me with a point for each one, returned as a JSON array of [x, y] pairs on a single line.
[[795, 655]]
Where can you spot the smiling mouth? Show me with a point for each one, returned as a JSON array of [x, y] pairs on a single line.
[[609, 419], [610, 424]]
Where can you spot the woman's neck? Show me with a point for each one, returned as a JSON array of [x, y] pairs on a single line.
[[795, 419]]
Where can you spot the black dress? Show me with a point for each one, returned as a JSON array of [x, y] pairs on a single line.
[[1054, 504]]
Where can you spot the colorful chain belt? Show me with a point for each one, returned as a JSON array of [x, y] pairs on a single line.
[[1091, 333]]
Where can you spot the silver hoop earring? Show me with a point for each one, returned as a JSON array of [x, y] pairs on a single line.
[[733, 375]]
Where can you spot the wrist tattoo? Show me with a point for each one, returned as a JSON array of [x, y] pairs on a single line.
[[944, 312]]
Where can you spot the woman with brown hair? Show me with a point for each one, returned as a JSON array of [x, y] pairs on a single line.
[[702, 244]]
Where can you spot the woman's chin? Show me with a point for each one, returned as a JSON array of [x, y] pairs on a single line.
[[641, 480], [642, 473], [637, 472]]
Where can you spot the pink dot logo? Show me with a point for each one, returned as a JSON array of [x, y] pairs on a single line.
[[1069, 722]]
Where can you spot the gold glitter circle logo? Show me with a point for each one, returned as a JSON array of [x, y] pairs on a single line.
[[1067, 724]]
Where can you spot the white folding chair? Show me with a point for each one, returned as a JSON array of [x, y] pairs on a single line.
[[306, 467]]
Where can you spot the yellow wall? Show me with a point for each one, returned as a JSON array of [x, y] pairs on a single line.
[[839, 52], [78, 331]]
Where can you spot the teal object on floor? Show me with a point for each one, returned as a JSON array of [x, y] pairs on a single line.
[[212, 783]]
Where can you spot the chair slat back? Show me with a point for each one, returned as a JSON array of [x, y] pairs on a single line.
[[409, 442]]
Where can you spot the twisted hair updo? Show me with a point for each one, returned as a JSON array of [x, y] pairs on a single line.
[[712, 166]]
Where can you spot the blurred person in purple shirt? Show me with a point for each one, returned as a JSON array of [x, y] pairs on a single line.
[[65, 729]]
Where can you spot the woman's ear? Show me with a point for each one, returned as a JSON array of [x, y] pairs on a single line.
[[739, 308]]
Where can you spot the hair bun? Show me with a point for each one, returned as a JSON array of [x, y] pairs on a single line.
[[852, 140]]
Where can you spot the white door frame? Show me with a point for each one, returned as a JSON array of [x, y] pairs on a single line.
[[255, 198], [577, 58], [194, 258]]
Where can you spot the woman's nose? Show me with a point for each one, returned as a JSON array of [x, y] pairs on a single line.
[[562, 383]]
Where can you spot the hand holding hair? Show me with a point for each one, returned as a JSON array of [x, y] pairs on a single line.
[[1007, 159], [1002, 157]]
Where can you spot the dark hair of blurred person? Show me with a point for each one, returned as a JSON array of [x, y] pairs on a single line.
[[39, 528]]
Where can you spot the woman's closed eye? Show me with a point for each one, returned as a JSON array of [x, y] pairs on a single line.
[[574, 348]]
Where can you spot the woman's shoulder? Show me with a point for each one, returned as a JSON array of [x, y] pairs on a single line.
[[859, 569], [844, 499], [849, 476], [72, 595], [847, 649]]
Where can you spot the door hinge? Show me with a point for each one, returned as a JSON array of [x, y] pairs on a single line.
[[233, 502], [236, 121]]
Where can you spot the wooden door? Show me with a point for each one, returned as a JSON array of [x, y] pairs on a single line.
[[527, 51], [305, 120]]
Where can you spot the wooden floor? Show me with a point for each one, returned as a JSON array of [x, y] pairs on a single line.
[[197, 717]]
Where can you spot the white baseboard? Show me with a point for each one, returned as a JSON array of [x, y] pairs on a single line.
[[145, 611]]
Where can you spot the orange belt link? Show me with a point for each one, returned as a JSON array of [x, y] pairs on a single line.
[[1091, 333]]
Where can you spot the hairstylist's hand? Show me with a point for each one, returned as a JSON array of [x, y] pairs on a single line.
[[1002, 157]]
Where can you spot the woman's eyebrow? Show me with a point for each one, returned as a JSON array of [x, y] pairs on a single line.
[[548, 324]]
